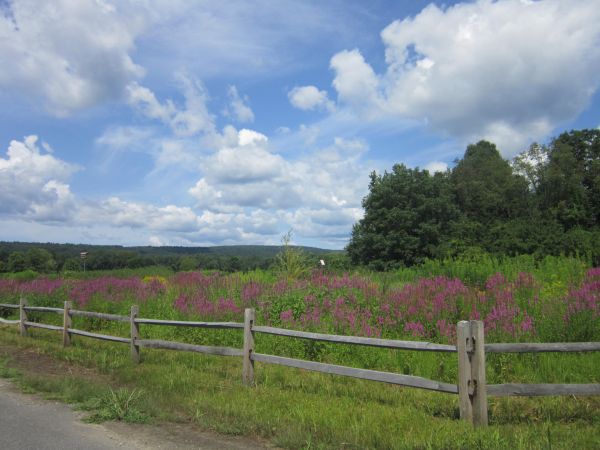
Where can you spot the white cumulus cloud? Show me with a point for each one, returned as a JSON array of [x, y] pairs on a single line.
[[309, 98], [246, 182], [355, 82], [33, 184], [72, 54], [190, 119], [120, 213], [246, 161], [508, 70], [436, 166]]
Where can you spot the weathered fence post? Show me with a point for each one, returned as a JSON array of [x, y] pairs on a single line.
[[480, 406], [67, 324], [472, 395], [248, 363], [464, 344], [135, 334], [22, 316]]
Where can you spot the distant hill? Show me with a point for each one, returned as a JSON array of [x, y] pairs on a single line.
[[50, 257], [242, 251], [63, 251]]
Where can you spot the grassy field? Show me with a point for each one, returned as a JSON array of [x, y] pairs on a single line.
[[518, 300]]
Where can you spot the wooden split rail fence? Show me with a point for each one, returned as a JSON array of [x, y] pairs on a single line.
[[471, 387]]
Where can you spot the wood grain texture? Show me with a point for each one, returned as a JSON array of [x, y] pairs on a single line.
[[134, 334], [9, 306], [365, 374], [464, 345], [43, 309], [67, 323], [536, 347], [479, 398], [44, 326], [357, 340], [182, 323], [536, 390], [248, 350], [22, 317], [97, 315], [169, 345], [104, 337]]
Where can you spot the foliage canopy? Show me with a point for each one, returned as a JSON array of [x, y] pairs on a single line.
[[544, 202]]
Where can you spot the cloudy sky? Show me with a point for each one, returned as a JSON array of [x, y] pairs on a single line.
[[167, 122]]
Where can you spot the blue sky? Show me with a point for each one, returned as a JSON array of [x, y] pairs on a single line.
[[211, 123]]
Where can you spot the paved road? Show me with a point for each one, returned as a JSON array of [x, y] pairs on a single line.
[[29, 422]]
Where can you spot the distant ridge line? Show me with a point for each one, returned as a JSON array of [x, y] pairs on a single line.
[[147, 250]]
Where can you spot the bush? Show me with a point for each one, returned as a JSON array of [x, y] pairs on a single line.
[[25, 275]]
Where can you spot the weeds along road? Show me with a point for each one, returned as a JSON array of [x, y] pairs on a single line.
[[29, 422]]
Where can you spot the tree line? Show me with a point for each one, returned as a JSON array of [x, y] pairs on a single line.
[[44, 261], [546, 201], [53, 258]]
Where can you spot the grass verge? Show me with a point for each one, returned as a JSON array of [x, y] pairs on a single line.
[[101, 402]]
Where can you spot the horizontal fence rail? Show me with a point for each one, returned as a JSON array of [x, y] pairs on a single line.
[[537, 390], [9, 306], [43, 325], [43, 309], [104, 337], [169, 345], [181, 323], [97, 315], [357, 340], [365, 374], [543, 347], [11, 322], [471, 386]]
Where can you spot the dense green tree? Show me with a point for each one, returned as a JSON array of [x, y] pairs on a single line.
[[4, 254], [40, 260], [494, 201], [187, 263], [561, 194], [72, 264], [531, 163], [408, 217], [234, 264], [546, 202], [565, 182], [136, 261], [570, 181], [486, 189], [17, 262]]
